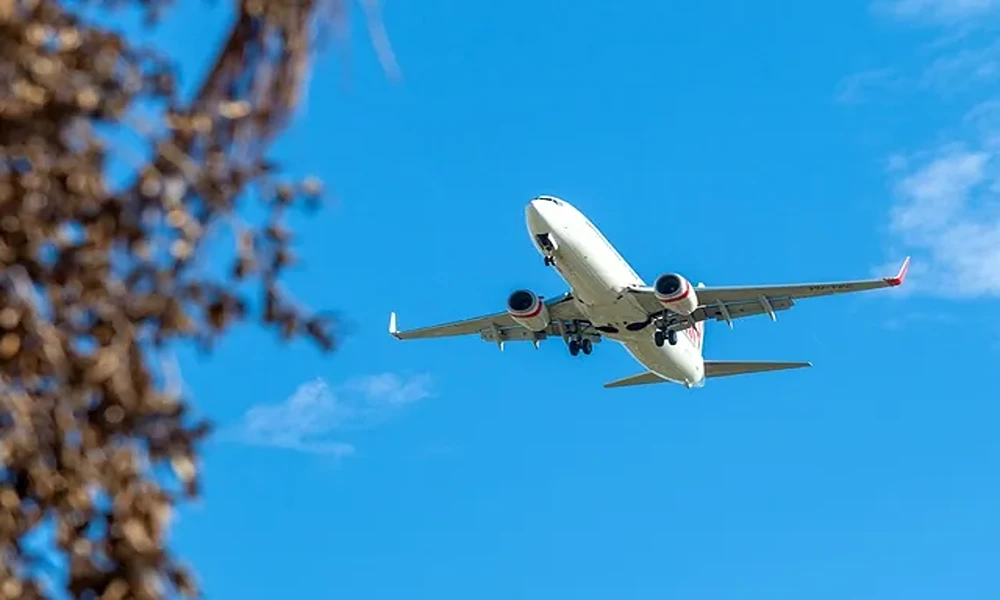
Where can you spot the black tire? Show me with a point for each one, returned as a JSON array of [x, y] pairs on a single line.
[[574, 347], [658, 338], [672, 337], [587, 346]]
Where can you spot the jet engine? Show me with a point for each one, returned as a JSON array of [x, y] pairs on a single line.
[[676, 293], [528, 310]]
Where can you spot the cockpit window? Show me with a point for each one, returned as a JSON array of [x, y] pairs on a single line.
[[550, 199]]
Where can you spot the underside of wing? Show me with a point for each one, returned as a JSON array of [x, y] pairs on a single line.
[[713, 295], [455, 328], [502, 327], [732, 302], [719, 311]]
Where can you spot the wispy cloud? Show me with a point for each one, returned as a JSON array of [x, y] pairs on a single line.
[[939, 12], [947, 211], [857, 87], [984, 118], [965, 56], [946, 200], [964, 69], [949, 72], [391, 389], [315, 417]]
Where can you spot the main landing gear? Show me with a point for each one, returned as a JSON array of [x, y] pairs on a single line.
[[660, 335], [575, 339], [578, 344], [549, 261]]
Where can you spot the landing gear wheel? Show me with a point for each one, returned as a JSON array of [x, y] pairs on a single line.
[[587, 346], [658, 338], [672, 337], [574, 347], [549, 261]]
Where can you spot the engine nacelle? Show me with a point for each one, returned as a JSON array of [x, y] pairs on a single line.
[[676, 293], [528, 310]]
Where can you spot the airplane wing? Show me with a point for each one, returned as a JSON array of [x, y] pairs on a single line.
[[500, 327], [731, 302]]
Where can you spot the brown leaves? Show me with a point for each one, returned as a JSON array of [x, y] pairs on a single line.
[[94, 278]]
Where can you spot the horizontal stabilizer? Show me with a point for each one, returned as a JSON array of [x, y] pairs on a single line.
[[640, 379], [722, 368], [713, 368]]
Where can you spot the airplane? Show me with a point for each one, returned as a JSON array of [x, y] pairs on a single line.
[[606, 298]]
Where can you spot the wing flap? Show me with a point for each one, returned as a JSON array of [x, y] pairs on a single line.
[[724, 368], [720, 311], [520, 334], [738, 310]]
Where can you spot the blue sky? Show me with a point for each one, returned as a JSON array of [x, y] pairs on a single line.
[[733, 142]]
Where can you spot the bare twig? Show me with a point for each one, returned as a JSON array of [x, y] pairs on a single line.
[[97, 283]]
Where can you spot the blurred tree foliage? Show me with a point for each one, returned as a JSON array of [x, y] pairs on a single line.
[[98, 280]]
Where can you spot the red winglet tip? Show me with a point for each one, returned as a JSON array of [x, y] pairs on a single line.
[[901, 276]]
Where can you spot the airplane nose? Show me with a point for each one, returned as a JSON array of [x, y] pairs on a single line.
[[534, 214]]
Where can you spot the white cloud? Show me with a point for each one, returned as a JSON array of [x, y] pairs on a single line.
[[947, 213], [390, 388], [946, 209], [946, 12], [316, 415], [937, 192]]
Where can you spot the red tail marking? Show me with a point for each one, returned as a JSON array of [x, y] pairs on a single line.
[[696, 334]]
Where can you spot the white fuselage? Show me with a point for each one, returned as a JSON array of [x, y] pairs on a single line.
[[597, 275]]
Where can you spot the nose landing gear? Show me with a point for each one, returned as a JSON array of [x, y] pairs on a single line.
[[548, 246]]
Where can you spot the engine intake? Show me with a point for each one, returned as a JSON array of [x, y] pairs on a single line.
[[528, 310], [676, 293]]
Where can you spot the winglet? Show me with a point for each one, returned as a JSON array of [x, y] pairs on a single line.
[[901, 276], [392, 326]]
